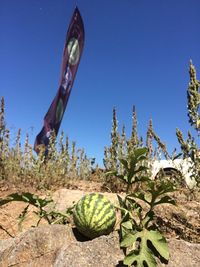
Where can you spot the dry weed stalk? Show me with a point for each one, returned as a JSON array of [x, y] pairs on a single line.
[[20, 164]]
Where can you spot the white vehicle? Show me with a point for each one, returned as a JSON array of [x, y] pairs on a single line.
[[180, 167]]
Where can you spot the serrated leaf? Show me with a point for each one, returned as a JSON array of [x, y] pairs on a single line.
[[125, 228], [166, 187], [128, 240], [157, 240], [121, 202], [123, 208], [124, 162], [158, 189], [22, 217], [127, 225], [146, 256], [140, 196], [148, 217], [159, 243], [131, 172], [27, 198], [140, 151], [136, 206], [165, 200], [145, 253]]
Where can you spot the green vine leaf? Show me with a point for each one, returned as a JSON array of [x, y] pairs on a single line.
[[165, 200], [124, 163], [148, 218], [145, 252], [140, 195], [27, 198], [22, 217]]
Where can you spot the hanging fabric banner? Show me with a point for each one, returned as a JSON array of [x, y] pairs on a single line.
[[71, 57]]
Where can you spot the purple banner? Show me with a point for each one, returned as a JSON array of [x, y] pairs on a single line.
[[71, 56]]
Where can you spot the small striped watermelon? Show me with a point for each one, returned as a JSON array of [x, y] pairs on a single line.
[[94, 215]]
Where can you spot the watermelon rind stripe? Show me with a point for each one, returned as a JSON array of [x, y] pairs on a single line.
[[87, 205], [110, 222], [107, 221], [78, 220], [94, 207], [90, 207], [79, 213], [105, 211], [100, 206]]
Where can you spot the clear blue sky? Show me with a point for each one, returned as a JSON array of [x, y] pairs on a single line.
[[136, 52]]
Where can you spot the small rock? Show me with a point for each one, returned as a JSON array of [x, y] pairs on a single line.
[[35, 247]]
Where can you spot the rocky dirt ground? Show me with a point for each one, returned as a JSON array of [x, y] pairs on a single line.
[[180, 222]]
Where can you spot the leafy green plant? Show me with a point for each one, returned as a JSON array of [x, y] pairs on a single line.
[[51, 216], [133, 169], [140, 238]]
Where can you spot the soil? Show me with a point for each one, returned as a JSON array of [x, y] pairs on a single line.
[[181, 221]]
